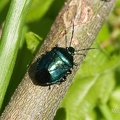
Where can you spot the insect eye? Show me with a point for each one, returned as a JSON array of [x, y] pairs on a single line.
[[71, 50]]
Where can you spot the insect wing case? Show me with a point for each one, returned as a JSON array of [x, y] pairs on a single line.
[[53, 66], [62, 62]]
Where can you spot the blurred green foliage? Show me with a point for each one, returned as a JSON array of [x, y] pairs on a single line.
[[95, 91]]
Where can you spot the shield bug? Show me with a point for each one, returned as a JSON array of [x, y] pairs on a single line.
[[55, 65]]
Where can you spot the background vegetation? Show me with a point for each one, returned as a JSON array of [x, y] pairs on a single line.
[[95, 92]]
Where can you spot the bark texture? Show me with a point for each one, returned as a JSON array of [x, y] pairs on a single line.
[[33, 102]]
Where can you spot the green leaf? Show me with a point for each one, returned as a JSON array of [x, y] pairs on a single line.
[[104, 31], [3, 3], [38, 9], [10, 41], [115, 102], [33, 42]]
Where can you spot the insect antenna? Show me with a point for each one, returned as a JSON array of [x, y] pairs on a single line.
[[65, 38], [83, 54], [72, 35], [84, 49], [80, 54]]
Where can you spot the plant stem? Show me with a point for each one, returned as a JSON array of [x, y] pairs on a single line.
[[10, 41]]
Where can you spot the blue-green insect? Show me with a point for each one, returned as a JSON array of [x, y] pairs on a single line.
[[55, 65]]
